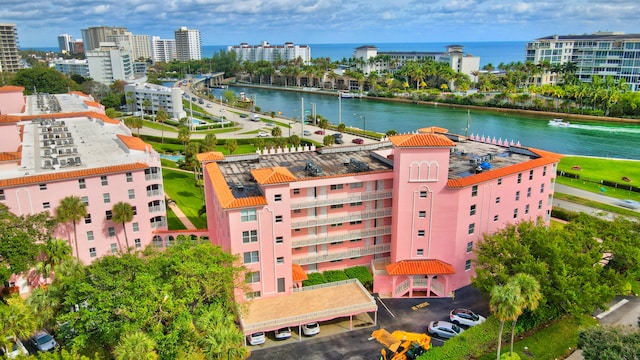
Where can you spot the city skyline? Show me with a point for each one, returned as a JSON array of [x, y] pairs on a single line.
[[324, 21]]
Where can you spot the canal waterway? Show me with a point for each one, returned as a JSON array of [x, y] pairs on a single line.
[[589, 138]]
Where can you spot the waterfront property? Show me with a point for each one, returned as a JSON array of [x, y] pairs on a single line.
[[267, 52], [158, 97], [411, 209]]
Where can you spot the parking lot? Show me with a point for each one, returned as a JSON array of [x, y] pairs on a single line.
[[335, 341]]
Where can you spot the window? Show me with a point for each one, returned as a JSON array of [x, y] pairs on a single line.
[[423, 194], [540, 205], [474, 191], [472, 210], [135, 226], [278, 218], [279, 240], [92, 252], [106, 198], [277, 197], [82, 184], [357, 203], [2, 197], [297, 211], [250, 257], [253, 295], [249, 236], [134, 210], [296, 191], [422, 214], [248, 215], [519, 178], [87, 219], [109, 214], [526, 209], [495, 217], [336, 206], [541, 188], [357, 185], [498, 200], [104, 181], [472, 228], [46, 205], [529, 192], [336, 225], [252, 277], [467, 265], [336, 187], [544, 171], [420, 232], [336, 243], [470, 246], [517, 195], [114, 248], [112, 231], [500, 181], [85, 200], [129, 177], [357, 222], [419, 252], [132, 194], [43, 186], [280, 260], [137, 243], [515, 213], [355, 240], [530, 174], [90, 235]]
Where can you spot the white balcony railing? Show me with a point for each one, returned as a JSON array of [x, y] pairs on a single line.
[[350, 235], [364, 196], [358, 216], [340, 255]]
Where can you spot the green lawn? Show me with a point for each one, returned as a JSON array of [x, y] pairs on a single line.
[[158, 126], [592, 170], [181, 187], [173, 222]]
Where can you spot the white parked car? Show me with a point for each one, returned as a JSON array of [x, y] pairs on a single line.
[[465, 317], [283, 333], [263, 134], [311, 329], [15, 348], [256, 338], [444, 329], [306, 133]]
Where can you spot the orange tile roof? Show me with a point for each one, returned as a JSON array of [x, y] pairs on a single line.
[[9, 88], [224, 194], [421, 140], [210, 156], [274, 175], [79, 93], [420, 267], [432, 130], [546, 158], [92, 104], [10, 156], [133, 142], [297, 273], [59, 176], [105, 118]]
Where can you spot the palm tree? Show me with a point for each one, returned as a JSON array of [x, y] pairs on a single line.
[[17, 320], [55, 252], [122, 213], [145, 104], [40, 302], [531, 296], [161, 117], [184, 134], [136, 345], [71, 209], [506, 305], [276, 132]]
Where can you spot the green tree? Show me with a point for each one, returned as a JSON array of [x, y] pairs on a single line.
[[161, 117], [146, 104], [55, 251], [209, 143], [43, 80], [276, 131], [17, 320], [184, 134], [609, 343], [328, 140], [341, 127], [323, 124], [294, 140], [231, 145], [133, 123], [531, 296], [135, 346], [71, 210], [506, 305], [111, 113], [45, 306], [122, 213], [391, 132]]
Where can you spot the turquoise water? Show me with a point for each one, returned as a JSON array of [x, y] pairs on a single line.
[[174, 158]]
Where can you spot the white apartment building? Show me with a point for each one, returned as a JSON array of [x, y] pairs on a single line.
[[163, 50], [188, 45], [140, 45], [267, 52], [93, 36], [603, 54], [109, 63], [71, 66], [65, 43], [160, 97], [10, 60]]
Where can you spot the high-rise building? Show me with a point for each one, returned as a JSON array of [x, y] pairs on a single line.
[[109, 63], [140, 45], [9, 55], [188, 46], [601, 54], [71, 66], [65, 43], [93, 36], [78, 47], [163, 50], [267, 52]]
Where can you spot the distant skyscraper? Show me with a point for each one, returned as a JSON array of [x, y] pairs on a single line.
[[93, 36], [109, 63], [65, 43], [164, 50], [188, 44], [9, 55]]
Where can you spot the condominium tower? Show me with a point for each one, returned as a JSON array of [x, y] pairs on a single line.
[[163, 50], [267, 52], [9, 55], [188, 46], [93, 36], [65, 43]]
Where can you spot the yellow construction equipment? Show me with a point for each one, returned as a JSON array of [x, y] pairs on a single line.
[[403, 345]]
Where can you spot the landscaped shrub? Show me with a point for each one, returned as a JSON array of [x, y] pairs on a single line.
[[560, 214], [335, 275], [314, 279], [471, 344], [361, 273]]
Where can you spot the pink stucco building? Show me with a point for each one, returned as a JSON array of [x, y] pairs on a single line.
[[411, 209], [63, 145]]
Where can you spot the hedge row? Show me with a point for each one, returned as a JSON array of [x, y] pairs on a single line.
[[361, 273]]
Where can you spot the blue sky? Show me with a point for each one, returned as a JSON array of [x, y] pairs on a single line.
[[323, 21]]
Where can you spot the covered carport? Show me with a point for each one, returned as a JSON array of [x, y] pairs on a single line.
[[308, 304]]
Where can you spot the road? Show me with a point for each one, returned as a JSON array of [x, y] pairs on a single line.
[[602, 198]]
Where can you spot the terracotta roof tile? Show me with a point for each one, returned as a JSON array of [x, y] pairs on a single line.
[[133, 143], [432, 130], [421, 140], [420, 267], [547, 158], [224, 194], [275, 175], [93, 104], [79, 93], [59, 176], [210, 156], [297, 273], [10, 156], [6, 89]]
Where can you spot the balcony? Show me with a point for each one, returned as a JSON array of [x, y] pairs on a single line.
[[350, 235], [153, 176], [159, 224], [341, 255], [157, 208], [359, 216], [155, 192], [364, 196]]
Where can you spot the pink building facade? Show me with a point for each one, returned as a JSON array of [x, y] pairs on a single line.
[[81, 152], [411, 209]]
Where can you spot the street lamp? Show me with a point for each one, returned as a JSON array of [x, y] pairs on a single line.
[[364, 123]]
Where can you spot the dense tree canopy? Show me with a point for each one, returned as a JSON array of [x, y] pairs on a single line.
[[609, 343], [43, 80]]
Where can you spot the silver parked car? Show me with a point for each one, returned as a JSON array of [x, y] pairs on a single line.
[[444, 329], [43, 341], [465, 317]]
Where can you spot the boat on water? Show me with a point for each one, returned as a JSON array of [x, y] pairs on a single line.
[[346, 95], [559, 123]]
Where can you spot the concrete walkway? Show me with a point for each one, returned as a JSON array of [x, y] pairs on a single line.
[[181, 216]]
